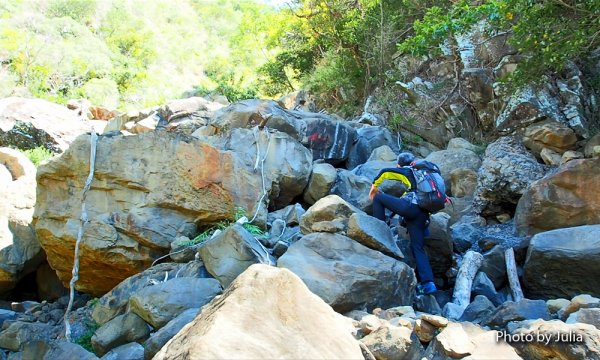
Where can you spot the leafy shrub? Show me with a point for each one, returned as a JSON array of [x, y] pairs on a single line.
[[85, 340], [38, 155], [102, 92]]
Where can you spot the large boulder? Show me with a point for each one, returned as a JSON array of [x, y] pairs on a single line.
[[506, 172], [328, 138], [285, 176], [527, 106], [231, 252], [354, 189], [159, 187], [348, 275], [158, 339], [569, 197], [449, 160], [31, 123], [264, 313], [369, 139], [320, 182], [116, 301], [329, 214], [163, 302], [189, 113], [550, 253], [118, 331], [20, 251], [373, 233]]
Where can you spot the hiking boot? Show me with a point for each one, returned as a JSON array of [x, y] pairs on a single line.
[[426, 288]]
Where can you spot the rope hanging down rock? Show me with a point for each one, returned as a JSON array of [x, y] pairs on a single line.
[[82, 221], [260, 161]]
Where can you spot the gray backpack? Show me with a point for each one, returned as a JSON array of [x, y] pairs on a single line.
[[430, 187]]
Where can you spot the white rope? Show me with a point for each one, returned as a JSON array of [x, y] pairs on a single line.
[[83, 220], [262, 170], [259, 162]]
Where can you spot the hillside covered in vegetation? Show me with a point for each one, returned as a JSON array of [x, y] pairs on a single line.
[[131, 53]]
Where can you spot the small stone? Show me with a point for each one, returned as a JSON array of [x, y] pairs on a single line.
[[437, 321], [424, 330]]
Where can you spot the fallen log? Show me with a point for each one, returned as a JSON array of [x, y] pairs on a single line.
[[513, 276], [464, 280]]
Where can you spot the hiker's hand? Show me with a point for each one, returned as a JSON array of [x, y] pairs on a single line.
[[373, 191]]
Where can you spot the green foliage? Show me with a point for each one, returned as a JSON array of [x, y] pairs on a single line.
[[104, 92], [85, 340], [239, 212], [152, 50], [38, 155], [547, 33], [79, 10]]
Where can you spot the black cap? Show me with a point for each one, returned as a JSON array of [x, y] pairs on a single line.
[[405, 158]]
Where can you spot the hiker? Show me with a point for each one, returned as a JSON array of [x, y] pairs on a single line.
[[414, 217]]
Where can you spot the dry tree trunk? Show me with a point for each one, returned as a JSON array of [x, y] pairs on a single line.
[[513, 277], [464, 280]]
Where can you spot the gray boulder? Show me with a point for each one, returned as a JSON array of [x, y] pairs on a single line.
[[121, 330], [369, 138], [517, 311], [18, 333], [478, 310], [329, 214], [131, 351], [348, 275], [164, 334], [55, 349], [31, 123], [506, 172], [163, 302], [448, 160], [374, 234], [354, 189], [285, 176], [229, 253], [550, 253], [320, 182], [115, 302]]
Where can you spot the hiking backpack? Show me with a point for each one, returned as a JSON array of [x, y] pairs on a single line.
[[430, 187]]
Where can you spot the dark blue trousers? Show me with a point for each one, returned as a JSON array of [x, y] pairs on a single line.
[[416, 224]]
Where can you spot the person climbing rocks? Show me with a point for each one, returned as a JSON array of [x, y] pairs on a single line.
[[414, 217]]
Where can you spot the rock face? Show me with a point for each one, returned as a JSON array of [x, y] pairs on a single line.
[[285, 176], [30, 123], [348, 275], [328, 138], [159, 187], [551, 253], [506, 172], [569, 197], [265, 311], [20, 251]]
